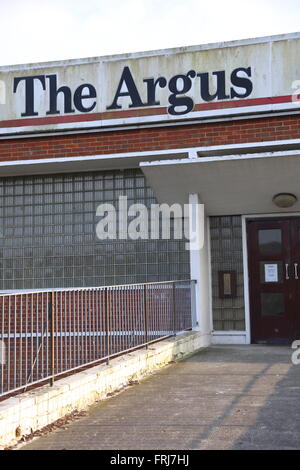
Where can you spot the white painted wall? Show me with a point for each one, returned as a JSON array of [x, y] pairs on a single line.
[[199, 265]]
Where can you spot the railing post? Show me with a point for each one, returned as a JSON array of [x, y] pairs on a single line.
[[107, 325], [146, 315], [51, 311], [193, 303], [174, 308]]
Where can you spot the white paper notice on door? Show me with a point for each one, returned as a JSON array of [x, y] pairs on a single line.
[[271, 273]]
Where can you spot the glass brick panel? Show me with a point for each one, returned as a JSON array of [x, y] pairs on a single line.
[[227, 255], [48, 233]]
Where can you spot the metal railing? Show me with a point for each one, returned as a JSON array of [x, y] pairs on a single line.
[[45, 334]]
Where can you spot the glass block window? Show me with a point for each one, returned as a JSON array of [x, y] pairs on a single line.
[[48, 234], [227, 255]]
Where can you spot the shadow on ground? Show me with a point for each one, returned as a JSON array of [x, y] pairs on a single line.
[[265, 413], [225, 397]]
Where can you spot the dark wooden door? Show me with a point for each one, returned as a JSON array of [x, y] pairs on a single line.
[[274, 279], [295, 267]]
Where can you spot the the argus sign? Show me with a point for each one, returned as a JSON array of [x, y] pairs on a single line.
[[83, 98], [198, 82]]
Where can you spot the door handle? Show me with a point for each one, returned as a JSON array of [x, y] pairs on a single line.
[[287, 272], [296, 270]]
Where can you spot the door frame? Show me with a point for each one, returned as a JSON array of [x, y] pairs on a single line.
[[276, 215]]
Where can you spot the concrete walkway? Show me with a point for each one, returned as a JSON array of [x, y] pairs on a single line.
[[225, 397]]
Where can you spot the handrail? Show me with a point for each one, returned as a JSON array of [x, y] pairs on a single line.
[[50, 333], [58, 289]]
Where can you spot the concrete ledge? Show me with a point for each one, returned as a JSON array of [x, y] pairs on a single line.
[[33, 410], [233, 337]]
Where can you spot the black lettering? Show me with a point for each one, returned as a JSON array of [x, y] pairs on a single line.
[[220, 93], [241, 82], [132, 92], [179, 85], [54, 92], [29, 92], [151, 89], [79, 97]]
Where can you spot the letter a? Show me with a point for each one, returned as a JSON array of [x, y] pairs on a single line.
[[132, 92]]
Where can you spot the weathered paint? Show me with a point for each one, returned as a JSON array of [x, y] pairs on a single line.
[[274, 62]]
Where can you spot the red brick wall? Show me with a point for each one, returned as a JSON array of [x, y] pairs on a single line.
[[162, 138]]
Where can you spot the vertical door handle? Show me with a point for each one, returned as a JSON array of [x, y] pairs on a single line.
[[287, 272], [296, 270]]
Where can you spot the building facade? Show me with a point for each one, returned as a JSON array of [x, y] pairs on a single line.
[[216, 125]]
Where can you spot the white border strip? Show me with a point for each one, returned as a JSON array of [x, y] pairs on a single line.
[[246, 281], [191, 154], [139, 120], [223, 158]]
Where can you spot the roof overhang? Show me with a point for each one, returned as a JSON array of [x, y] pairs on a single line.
[[231, 184], [84, 163]]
